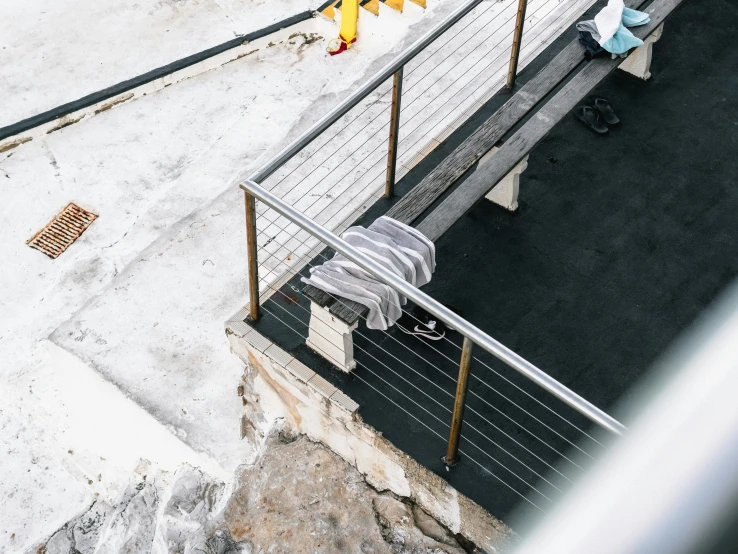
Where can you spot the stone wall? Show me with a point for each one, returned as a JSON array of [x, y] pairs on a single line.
[[276, 386]]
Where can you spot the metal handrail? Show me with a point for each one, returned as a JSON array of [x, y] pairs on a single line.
[[362, 92], [440, 311]]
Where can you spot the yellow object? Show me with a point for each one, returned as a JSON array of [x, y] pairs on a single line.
[[347, 35], [372, 6], [349, 19], [330, 11], [395, 4], [420, 3]]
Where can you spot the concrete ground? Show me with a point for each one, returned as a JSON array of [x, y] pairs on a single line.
[[297, 497], [161, 172], [54, 53], [619, 244], [114, 351]]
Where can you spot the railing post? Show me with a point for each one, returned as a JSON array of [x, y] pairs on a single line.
[[254, 312], [462, 384], [512, 71], [389, 187]]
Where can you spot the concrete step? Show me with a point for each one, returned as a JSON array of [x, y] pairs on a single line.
[[372, 6]]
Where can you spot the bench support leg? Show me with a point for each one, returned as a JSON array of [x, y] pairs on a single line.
[[506, 192], [331, 338], [639, 61]]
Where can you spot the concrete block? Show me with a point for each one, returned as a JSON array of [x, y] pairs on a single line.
[[639, 61], [331, 338], [322, 386], [300, 370], [257, 340], [278, 355], [506, 192], [344, 401]]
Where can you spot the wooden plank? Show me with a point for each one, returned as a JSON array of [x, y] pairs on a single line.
[[521, 143], [473, 148], [318, 296], [481, 141], [348, 310], [417, 201]]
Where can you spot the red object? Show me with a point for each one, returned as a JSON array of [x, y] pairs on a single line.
[[343, 47]]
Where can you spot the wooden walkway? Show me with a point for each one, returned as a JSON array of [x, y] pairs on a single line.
[[341, 174], [438, 181], [530, 134]]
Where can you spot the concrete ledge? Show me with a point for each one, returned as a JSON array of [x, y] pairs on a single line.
[[78, 110], [308, 404], [258, 342]]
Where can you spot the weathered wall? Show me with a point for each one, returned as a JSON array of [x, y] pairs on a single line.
[[275, 386]]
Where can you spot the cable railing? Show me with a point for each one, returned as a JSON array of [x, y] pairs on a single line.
[[337, 175], [486, 415], [336, 159], [539, 460]]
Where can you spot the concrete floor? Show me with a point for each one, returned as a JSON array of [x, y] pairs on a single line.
[[157, 380], [52, 53], [619, 243]]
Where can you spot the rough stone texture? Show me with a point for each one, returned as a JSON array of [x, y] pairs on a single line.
[[298, 498], [271, 393], [400, 529], [302, 498], [159, 513]]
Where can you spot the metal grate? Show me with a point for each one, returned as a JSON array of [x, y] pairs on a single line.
[[62, 230]]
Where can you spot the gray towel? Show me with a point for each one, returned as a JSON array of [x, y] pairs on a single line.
[[412, 243], [399, 248], [589, 27]]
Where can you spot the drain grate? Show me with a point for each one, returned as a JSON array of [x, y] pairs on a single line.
[[62, 230]]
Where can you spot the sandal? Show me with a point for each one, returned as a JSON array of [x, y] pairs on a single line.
[[605, 108], [591, 118]]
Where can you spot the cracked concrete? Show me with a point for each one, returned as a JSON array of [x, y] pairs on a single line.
[[298, 498], [302, 498], [272, 395], [160, 171]]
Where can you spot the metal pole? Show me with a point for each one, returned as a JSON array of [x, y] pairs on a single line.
[[479, 337], [389, 186], [512, 71], [254, 312], [457, 420], [362, 92]]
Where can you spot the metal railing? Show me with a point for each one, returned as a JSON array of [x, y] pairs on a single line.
[[362, 92], [469, 331], [472, 335]]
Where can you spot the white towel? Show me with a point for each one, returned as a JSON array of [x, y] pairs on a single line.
[[404, 251], [609, 19]]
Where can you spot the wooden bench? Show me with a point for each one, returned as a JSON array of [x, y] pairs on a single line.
[[332, 320]]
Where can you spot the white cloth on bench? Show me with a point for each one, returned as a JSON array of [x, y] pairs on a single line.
[[399, 248], [610, 24], [411, 242]]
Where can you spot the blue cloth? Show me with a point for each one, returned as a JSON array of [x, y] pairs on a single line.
[[634, 18], [623, 40]]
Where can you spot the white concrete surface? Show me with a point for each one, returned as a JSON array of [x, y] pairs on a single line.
[[69, 438], [134, 309], [56, 52], [139, 300]]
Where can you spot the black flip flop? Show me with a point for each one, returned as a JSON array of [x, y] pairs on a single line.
[[591, 118], [605, 108]]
